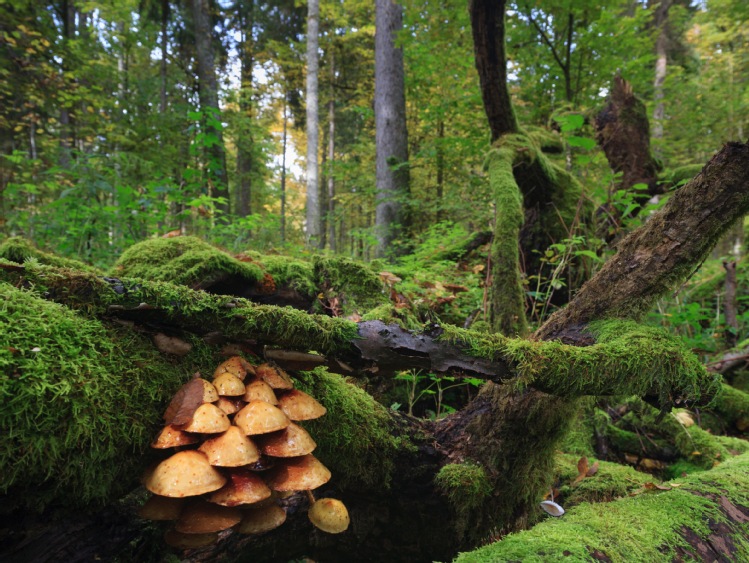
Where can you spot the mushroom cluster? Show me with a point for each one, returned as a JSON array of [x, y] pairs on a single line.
[[239, 451]]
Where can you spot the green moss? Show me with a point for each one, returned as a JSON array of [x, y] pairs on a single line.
[[647, 527], [579, 438], [357, 438], [466, 486], [18, 249], [681, 468], [355, 285], [78, 401], [731, 405], [627, 358], [629, 442], [508, 296], [735, 446], [390, 314], [611, 481], [292, 272], [183, 260]]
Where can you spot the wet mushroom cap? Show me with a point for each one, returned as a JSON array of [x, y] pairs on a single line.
[[259, 390], [298, 474], [236, 365], [230, 405], [204, 517], [244, 487], [259, 417], [185, 474], [297, 405], [229, 385], [208, 419], [261, 519], [292, 441], [232, 449], [161, 508], [171, 437], [330, 515]]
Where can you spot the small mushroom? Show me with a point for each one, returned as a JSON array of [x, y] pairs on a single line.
[[244, 487], [298, 474], [259, 417], [229, 385], [261, 519], [161, 508], [330, 515], [232, 449], [171, 437], [204, 517], [208, 419], [552, 508], [185, 474], [259, 391], [236, 365], [297, 405], [230, 405], [292, 441]]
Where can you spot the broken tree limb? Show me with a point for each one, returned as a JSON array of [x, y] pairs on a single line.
[[664, 252]]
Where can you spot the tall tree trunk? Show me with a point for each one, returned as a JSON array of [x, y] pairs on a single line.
[[67, 136], [164, 53], [283, 170], [488, 25], [208, 93], [331, 160], [661, 60], [392, 218], [245, 141], [440, 167], [314, 211]]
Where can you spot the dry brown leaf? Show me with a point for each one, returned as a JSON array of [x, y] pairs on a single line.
[[171, 344], [184, 403], [662, 487]]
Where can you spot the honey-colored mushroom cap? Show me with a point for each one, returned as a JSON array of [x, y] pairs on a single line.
[[208, 419], [259, 417], [161, 508], [261, 519], [274, 376], [230, 405], [244, 487], [204, 517], [229, 385], [185, 474], [171, 437], [259, 390], [292, 441], [298, 474], [236, 365], [232, 449], [330, 515], [297, 405]]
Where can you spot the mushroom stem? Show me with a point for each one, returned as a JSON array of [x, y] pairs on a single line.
[[310, 497]]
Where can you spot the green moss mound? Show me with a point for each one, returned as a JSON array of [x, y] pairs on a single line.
[[357, 438], [78, 403], [647, 527], [19, 250], [466, 485], [186, 261]]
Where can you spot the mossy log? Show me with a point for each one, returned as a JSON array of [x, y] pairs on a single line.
[[704, 518]]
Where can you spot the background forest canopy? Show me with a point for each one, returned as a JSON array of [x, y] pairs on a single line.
[[106, 138]]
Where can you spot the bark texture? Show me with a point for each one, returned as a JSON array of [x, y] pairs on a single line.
[[391, 136], [314, 211], [665, 251], [488, 24]]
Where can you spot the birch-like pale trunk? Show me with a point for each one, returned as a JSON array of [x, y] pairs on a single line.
[[314, 213]]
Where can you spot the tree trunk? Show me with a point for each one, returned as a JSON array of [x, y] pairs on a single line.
[[209, 104], [164, 53], [392, 217], [488, 24], [283, 171], [314, 210], [661, 62], [245, 141], [331, 158]]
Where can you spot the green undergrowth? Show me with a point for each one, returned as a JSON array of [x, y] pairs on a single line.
[[646, 527], [78, 402], [19, 250], [183, 260], [357, 438]]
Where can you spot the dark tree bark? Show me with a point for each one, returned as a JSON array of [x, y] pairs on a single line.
[[206, 66], [488, 24], [392, 218]]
